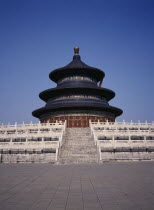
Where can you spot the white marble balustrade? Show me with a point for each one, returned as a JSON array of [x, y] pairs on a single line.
[[123, 136], [32, 138]]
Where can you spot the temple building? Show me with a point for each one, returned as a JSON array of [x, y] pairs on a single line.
[[77, 125], [78, 96]]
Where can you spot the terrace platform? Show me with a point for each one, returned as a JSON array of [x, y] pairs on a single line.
[[108, 186]]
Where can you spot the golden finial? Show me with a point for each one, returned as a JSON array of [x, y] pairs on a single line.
[[76, 50]]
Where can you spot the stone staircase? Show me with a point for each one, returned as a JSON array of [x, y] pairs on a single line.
[[78, 147]]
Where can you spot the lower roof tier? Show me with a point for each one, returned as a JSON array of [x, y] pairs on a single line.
[[103, 110], [54, 92]]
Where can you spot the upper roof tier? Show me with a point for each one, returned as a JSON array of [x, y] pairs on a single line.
[[76, 68]]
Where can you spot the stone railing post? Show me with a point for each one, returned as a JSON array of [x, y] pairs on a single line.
[[57, 151]]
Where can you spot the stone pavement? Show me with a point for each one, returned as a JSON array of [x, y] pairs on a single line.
[[108, 186]]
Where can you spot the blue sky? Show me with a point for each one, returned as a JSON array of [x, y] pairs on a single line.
[[37, 36]]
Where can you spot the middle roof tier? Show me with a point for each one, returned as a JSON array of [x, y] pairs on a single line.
[[59, 91]]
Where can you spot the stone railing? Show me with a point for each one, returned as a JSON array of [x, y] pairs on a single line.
[[32, 138], [123, 137]]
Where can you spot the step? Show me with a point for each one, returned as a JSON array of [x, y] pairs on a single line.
[[78, 147], [84, 146], [92, 150], [77, 161], [79, 156], [74, 149]]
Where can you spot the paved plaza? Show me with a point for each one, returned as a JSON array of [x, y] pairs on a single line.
[[108, 186]]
